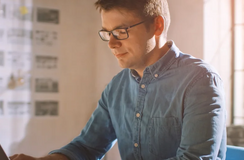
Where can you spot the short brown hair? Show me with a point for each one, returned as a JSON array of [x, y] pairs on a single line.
[[144, 8]]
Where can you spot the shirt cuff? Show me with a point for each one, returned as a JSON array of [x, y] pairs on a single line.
[[65, 152]]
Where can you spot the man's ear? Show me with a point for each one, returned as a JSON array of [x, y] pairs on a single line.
[[159, 25]]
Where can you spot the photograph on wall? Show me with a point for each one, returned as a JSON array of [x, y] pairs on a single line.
[[19, 60], [46, 38], [18, 108], [48, 85], [2, 11], [19, 12], [46, 108], [20, 36], [46, 62], [1, 108], [47, 15], [1, 58]]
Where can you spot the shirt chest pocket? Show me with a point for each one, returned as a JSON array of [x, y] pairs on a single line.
[[164, 136]]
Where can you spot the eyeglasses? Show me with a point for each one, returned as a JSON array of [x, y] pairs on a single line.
[[119, 33]]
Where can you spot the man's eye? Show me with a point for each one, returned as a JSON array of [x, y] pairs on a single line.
[[119, 31], [122, 31]]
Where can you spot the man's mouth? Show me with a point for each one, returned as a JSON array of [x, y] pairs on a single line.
[[120, 54]]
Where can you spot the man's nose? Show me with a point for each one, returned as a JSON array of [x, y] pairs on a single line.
[[113, 42]]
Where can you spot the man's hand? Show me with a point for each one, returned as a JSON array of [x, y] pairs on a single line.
[[48, 157], [22, 157]]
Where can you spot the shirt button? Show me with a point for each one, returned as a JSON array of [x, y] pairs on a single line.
[[155, 75], [143, 86], [138, 115], [136, 145]]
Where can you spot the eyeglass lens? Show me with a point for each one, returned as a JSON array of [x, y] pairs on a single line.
[[119, 34]]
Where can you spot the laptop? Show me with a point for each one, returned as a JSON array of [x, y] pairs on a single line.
[[3, 155]]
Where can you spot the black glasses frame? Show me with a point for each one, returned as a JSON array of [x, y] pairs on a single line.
[[119, 28]]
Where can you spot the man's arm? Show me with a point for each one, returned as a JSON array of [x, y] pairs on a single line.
[[54, 157], [96, 138], [203, 128], [48, 157]]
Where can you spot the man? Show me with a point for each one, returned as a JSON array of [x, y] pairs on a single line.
[[164, 105]]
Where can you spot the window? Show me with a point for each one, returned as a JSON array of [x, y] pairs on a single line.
[[238, 66]]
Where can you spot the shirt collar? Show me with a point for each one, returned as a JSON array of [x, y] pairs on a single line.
[[163, 64]]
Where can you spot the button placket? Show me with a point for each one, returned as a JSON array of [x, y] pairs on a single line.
[[138, 113]]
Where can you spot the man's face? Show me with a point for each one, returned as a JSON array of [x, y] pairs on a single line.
[[136, 51]]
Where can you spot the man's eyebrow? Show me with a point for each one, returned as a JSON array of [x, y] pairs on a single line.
[[117, 27]]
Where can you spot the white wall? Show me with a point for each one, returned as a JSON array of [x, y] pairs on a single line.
[[217, 42], [87, 66], [186, 27]]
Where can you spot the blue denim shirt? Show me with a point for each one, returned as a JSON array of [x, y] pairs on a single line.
[[175, 111]]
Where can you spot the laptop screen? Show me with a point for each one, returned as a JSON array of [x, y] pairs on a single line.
[[3, 155]]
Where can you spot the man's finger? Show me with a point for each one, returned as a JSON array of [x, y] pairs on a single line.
[[13, 156]]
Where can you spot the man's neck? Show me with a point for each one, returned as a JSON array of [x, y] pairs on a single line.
[[160, 53]]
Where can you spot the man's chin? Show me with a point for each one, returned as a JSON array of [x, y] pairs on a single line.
[[123, 65]]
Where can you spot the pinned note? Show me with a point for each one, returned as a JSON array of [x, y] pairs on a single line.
[[23, 10]]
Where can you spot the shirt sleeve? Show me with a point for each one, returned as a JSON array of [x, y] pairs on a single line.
[[95, 139], [203, 129]]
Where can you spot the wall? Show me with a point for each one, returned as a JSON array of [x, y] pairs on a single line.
[[186, 27], [217, 42]]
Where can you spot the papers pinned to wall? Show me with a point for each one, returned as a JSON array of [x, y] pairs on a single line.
[[29, 57]]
